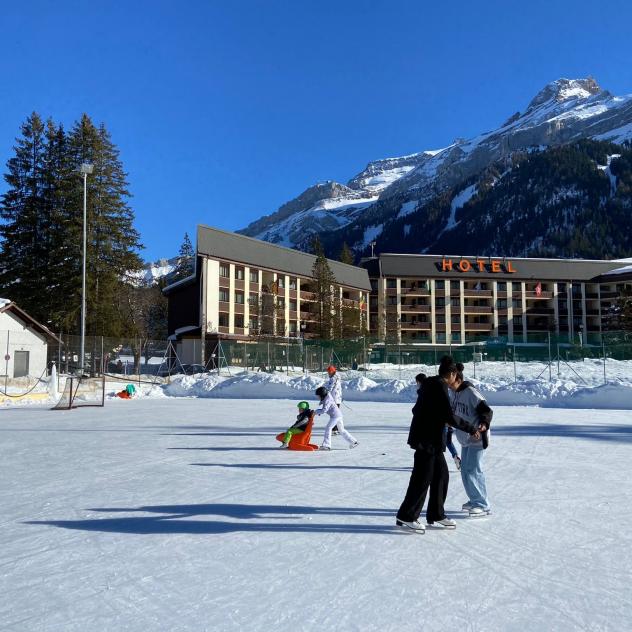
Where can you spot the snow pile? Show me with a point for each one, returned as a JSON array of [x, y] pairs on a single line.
[[583, 387]]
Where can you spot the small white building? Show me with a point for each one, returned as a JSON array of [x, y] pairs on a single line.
[[23, 342]]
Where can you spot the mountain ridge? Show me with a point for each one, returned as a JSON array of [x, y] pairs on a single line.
[[564, 111]]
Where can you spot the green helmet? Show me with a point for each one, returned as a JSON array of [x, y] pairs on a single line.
[[303, 406], [131, 389]]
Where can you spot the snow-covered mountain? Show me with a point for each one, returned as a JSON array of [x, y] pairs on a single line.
[[154, 271], [564, 111]]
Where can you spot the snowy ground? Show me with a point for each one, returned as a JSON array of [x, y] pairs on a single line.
[[181, 514]]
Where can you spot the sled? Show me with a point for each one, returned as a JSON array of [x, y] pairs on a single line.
[[301, 441]]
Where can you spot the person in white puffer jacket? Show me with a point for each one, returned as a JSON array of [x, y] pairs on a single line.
[[334, 387], [328, 407], [468, 404]]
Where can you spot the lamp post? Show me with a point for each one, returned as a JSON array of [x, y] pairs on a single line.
[[85, 169]]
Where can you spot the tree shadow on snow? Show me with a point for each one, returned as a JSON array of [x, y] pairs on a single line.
[[598, 433], [174, 519]]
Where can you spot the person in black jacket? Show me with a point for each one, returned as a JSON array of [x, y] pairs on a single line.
[[427, 437]]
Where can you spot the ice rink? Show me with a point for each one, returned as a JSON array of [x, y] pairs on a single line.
[[182, 514]]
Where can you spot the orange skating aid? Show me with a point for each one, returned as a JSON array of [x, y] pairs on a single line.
[[301, 441]]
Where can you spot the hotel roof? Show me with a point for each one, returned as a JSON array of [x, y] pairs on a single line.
[[236, 248]]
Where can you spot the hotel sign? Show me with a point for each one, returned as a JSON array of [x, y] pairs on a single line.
[[476, 265]]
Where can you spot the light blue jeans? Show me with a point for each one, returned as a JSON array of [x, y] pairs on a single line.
[[473, 477]]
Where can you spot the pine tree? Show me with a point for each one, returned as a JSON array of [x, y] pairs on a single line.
[[24, 227], [186, 260], [324, 283], [346, 254], [112, 241]]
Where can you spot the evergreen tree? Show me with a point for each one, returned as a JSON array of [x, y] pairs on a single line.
[[25, 222], [346, 254], [186, 259], [112, 241], [324, 283]]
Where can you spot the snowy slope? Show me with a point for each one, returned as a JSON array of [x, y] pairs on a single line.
[[183, 515], [564, 111]]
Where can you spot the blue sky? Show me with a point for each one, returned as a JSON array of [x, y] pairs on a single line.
[[223, 111]]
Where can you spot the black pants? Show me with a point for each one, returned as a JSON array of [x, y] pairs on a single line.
[[429, 470]]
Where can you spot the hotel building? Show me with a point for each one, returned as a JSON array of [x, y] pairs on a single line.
[[243, 287], [454, 299]]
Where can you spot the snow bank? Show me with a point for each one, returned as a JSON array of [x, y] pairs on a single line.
[[498, 388]]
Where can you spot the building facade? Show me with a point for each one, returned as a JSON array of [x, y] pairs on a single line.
[[244, 287], [454, 300], [24, 341]]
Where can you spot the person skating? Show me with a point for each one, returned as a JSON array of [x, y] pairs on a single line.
[[328, 407], [334, 387], [302, 419], [468, 404], [427, 437], [419, 379]]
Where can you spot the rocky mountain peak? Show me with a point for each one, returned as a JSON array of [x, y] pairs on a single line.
[[565, 89]]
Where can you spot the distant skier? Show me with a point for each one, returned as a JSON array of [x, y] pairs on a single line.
[[328, 406], [334, 387], [469, 405]]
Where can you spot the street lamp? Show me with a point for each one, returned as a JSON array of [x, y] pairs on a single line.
[[85, 169]]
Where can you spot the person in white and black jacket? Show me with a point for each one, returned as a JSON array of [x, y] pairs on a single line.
[[469, 405], [427, 437]]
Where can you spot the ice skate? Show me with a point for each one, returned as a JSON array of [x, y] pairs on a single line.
[[478, 512], [446, 523], [413, 525]]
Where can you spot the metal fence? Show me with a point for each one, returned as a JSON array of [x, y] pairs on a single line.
[[154, 359]]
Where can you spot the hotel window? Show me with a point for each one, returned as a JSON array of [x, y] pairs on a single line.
[[239, 320], [502, 286], [254, 276], [373, 285], [239, 298], [440, 285], [253, 323], [391, 284], [292, 283], [223, 320], [281, 281], [404, 318], [440, 302], [252, 298], [455, 285], [293, 306], [224, 270], [502, 303], [516, 302], [456, 320], [517, 321], [441, 337], [239, 274], [293, 327], [223, 295], [281, 302], [441, 318], [455, 301], [423, 285], [392, 300]]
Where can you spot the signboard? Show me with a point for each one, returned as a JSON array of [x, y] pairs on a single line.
[[478, 265]]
